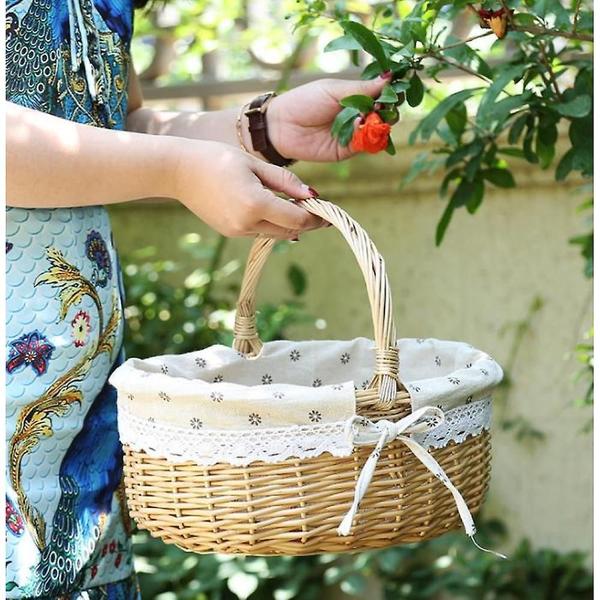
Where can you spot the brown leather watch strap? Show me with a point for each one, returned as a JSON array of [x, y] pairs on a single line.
[[259, 134]]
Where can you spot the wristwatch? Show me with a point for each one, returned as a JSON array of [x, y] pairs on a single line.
[[259, 134]]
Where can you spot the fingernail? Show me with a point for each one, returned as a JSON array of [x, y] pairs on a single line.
[[386, 75], [313, 192]]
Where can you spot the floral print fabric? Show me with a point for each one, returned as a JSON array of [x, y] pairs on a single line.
[[67, 529]]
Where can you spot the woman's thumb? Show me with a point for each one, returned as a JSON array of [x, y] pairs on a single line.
[[373, 87], [279, 179]]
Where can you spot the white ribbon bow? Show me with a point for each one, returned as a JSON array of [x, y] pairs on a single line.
[[363, 432]]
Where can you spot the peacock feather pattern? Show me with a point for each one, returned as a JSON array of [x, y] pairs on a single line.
[[45, 54]]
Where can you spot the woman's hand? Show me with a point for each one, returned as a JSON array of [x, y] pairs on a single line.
[[300, 120], [231, 191]]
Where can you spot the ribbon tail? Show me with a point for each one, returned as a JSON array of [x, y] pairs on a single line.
[[364, 479], [433, 466], [498, 554]]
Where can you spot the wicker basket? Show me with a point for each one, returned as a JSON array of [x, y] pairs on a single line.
[[295, 506]]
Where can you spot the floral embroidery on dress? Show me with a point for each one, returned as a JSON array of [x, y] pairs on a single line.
[[9, 247], [30, 349], [195, 423], [267, 379], [295, 355], [80, 328], [345, 358], [97, 252], [218, 379], [14, 521], [164, 396], [317, 383], [200, 362]]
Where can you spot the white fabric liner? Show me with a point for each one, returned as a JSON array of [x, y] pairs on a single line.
[[208, 447], [294, 383]]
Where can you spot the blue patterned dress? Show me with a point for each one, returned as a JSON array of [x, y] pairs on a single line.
[[67, 530]]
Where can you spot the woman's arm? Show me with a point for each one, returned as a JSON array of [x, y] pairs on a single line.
[[52, 163], [217, 125], [299, 120]]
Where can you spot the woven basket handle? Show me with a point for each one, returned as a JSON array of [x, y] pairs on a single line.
[[372, 265]]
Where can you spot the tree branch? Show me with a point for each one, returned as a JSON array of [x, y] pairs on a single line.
[[456, 65], [536, 30], [457, 44], [551, 73]]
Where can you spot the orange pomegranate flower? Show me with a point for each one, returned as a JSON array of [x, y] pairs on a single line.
[[371, 135]]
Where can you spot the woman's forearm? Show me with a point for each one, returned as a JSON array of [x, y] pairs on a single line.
[[216, 126], [52, 162]]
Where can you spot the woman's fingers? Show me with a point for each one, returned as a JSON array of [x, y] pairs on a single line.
[[287, 214], [274, 231], [340, 88], [279, 179]]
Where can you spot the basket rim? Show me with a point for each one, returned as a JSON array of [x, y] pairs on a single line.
[[134, 366]]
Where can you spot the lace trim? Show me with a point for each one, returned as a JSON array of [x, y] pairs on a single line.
[[459, 424], [212, 446]]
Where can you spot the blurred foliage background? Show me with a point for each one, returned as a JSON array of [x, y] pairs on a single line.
[[173, 309]]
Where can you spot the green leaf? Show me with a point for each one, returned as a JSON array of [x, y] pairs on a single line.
[[450, 176], [11, 585], [500, 82], [565, 165], [343, 117], [578, 107], [362, 103], [499, 111], [517, 129], [499, 177], [545, 152], [390, 116], [388, 95], [429, 124], [463, 192], [390, 148], [297, 278], [346, 133], [457, 120], [368, 41], [400, 86], [528, 152], [415, 92], [443, 223], [472, 167], [345, 42], [474, 202], [474, 147], [516, 152]]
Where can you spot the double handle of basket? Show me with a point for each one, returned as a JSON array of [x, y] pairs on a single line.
[[372, 265]]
